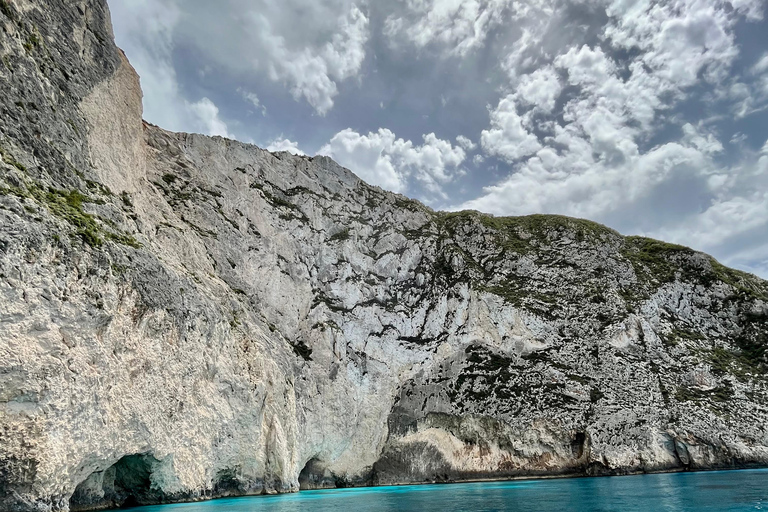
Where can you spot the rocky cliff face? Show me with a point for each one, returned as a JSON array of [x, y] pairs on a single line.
[[184, 317]]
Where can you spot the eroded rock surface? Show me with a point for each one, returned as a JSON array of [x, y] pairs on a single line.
[[184, 317]]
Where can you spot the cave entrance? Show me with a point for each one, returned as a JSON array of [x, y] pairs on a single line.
[[227, 483], [127, 483], [316, 476], [579, 445], [306, 476]]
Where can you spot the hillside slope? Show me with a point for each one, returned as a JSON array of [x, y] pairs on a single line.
[[184, 317]]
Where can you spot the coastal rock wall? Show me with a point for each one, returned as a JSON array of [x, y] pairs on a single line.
[[184, 317]]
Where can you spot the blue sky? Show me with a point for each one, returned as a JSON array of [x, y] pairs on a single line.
[[650, 117]]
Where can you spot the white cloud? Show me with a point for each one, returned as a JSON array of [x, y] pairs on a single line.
[[283, 144], [460, 25], [507, 136], [761, 66], [465, 143], [752, 96], [721, 220], [207, 116], [345, 53], [586, 66], [540, 89], [382, 159], [592, 164], [704, 142], [751, 9], [309, 47], [573, 182], [679, 40], [309, 72], [253, 99]]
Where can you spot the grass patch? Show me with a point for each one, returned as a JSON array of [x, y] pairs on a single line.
[[5, 8], [653, 259], [661, 262], [33, 41], [722, 393], [524, 235], [124, 240], [517, 295], [68, 206], [677, 335], [12, 161], [682, 334], [406, 203], [745, 284], [740, 364], [280, 202]]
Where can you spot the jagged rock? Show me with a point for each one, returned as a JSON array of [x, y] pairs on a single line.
[[184, 317]]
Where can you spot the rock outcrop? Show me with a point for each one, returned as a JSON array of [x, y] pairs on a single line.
[[184, 317]]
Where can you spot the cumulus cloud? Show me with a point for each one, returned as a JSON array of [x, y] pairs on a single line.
[[507, 137], [460, 26], [751, 96], [307, 46], [735, 222], [514, 118], [586, 66], [540, 89], [263, 40], [283, 144], [465, 143], [572, 181], [707, 143], [383, 159], [678, 40], [207, 115]]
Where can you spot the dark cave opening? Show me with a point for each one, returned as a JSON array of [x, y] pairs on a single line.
[[227, 483], [127, 483], [315, 476], [579, 445], [306, 476]]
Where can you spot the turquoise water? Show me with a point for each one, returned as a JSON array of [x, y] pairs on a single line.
[[707, 491]]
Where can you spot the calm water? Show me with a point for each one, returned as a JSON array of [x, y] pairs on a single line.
[[709, 491]]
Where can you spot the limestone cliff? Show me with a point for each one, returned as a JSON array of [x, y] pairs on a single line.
[[184, 317]]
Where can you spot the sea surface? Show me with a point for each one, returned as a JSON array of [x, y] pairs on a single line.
[[705, 491]]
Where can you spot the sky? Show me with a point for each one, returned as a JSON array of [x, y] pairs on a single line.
[[649, 117]]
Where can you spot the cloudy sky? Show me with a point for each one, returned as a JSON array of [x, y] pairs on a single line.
[[650, 117]]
